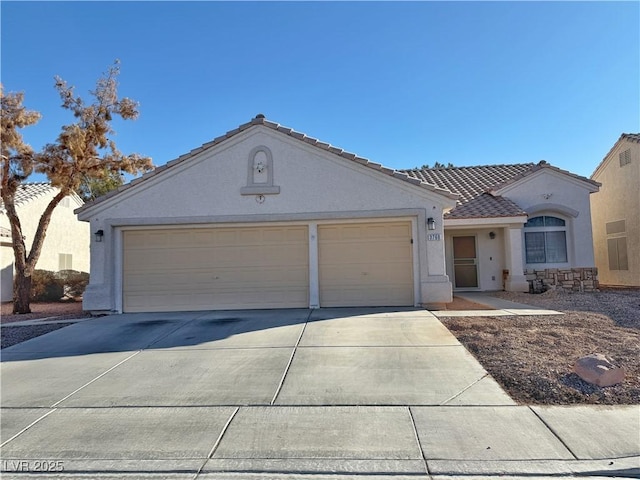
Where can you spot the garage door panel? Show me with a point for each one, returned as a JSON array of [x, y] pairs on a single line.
[[387, 252], [222, 278], [297, 235], [369, 264], [216, 268], [386, 275], [378, 296]]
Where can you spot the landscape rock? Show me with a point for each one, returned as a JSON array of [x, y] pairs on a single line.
[[599, 370]]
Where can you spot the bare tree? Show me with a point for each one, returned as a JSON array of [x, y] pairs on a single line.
[[83, 152]]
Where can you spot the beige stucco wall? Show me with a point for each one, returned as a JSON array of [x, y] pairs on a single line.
[[618, 199], [314, 185], [310, 180], [548, 192], [6, 270], [490, 255], [65, 234]]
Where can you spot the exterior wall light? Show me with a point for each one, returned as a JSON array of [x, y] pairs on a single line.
[[99, 234], [431, 223], [492, 235]]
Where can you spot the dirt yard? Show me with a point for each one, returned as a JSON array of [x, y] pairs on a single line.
[[532, 356], [59, 310]]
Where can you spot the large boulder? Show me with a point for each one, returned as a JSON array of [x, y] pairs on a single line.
[[599, 370]]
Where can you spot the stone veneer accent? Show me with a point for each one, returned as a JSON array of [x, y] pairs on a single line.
[[581, 279]]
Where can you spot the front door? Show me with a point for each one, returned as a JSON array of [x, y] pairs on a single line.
[[465, 262]]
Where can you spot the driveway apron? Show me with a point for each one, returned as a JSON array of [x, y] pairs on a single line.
[[338, 392]]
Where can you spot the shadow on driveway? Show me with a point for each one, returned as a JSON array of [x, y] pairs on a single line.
[[174, 330]]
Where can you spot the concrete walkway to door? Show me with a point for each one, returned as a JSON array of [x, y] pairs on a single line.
[[296, 394], [500, 307]]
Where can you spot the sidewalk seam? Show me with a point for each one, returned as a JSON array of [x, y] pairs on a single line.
[[555, 434], [217, 442], [28, 427], [417, 437], [97, 378], [464, 390], [293, 353]]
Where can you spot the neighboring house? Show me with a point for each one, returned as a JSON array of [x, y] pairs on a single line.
[[266, 217], [6, 265], [615, 214], [66, 246]]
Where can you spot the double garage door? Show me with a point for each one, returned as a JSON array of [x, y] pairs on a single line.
[[360, 264]]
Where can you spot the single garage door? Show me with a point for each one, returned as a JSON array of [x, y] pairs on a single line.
[[365, 264], [215, 268]]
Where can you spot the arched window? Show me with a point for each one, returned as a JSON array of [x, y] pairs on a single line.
[[545, 240]]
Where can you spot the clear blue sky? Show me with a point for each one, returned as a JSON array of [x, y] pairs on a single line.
[[402, 84]]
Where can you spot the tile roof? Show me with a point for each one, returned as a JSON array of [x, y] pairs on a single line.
[[314, 142], [470, 182], [28, 191], [486, 205], [466, 184], [477, 186]]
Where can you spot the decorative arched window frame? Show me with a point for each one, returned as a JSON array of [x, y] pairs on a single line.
[[260, 188], [547, 239]]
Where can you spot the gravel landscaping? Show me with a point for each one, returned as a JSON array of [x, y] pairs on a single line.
[[18, 334], [532, 356], [13, 334], [621, 305]]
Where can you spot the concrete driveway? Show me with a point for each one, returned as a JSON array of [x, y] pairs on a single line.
[[245, 393]]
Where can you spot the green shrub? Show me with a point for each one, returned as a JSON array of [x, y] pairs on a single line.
[[49, 286], [74, 282], [46, 287]]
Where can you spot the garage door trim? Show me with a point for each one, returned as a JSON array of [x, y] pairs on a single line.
[[314, 292], [208, 268], [345, 252]]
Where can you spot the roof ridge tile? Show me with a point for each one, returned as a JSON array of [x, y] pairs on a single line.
[[260, 120]]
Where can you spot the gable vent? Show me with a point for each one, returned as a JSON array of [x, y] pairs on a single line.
[[625, 157]]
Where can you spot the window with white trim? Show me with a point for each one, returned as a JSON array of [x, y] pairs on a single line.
[[65, 261], [545, 240], [617, 245]]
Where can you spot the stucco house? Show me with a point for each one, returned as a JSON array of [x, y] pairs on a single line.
[[266, 217], [66, 246], [615, 214]]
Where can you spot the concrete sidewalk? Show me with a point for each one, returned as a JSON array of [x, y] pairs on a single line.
[[292, 394], [345, 442], [500, 307]]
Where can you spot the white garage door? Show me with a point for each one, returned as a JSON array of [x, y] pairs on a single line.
[[365, 264], [215, 268]]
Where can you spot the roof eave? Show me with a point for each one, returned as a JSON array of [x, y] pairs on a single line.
[[628, 137], [485, 222], [499, 190], [84, 211]]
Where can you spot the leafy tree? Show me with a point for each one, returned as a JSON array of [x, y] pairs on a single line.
[[436, 165], [92, 188], [84, 151]]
